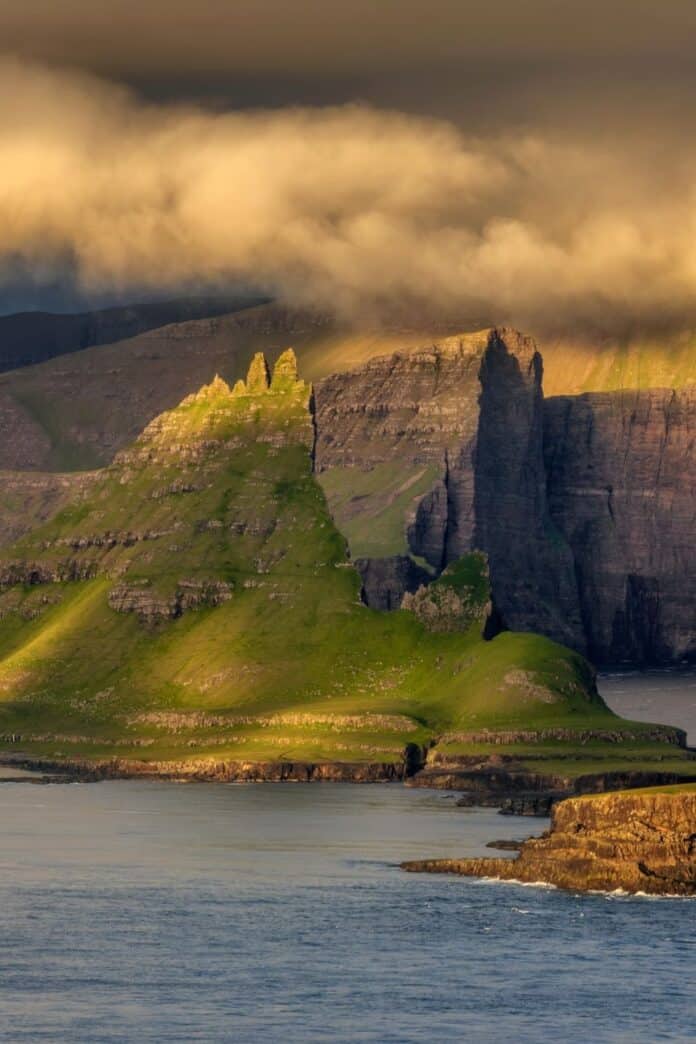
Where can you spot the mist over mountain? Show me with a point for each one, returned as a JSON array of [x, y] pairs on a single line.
[[347, 208]]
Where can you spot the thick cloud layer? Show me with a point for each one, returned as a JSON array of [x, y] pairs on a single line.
[[350, 208]]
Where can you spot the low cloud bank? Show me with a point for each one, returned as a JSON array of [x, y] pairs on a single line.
[[352, 209]]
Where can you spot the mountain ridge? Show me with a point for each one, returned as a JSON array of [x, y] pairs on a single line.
[[197, 606]]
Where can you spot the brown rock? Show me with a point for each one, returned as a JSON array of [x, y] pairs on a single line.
[[633, 841]]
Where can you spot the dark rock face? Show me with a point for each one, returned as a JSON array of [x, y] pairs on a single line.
[[225, 771], [473, 406], [622, 490], [635, 842], [411, 406], [531, 566], [584, 505], [385, 581]]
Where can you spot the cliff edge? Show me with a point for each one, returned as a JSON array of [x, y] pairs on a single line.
[[636, 841]]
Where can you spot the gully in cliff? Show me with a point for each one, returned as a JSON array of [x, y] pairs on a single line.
[[641, 841]]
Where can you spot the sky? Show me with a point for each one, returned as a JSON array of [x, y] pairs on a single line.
[[531, 160]]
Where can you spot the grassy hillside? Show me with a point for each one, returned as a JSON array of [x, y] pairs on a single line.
[[197, 602], [573, 365]]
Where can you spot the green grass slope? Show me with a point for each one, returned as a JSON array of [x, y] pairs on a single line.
[[575, 365], [197, 603]]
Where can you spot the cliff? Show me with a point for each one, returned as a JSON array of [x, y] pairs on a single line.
[[98, 387], [466, 416], [194, 611], [585, 506], [636, 841], [621, 472]]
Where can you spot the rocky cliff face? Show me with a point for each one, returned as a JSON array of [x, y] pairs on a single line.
[[584, 505], [622, 490], [637, 842], [385, 581], [78, 410], [471, 406], [531, 566], [411, 407]]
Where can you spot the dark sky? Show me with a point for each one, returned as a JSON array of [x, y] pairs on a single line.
[[562, 61]]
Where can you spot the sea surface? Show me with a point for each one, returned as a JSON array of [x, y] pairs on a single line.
[[156, 912], [668, 697]]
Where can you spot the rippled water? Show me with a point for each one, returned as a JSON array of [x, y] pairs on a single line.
[[155, 912]]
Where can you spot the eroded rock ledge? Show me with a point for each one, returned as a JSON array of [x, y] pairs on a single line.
[[207, 769], [633, 841]]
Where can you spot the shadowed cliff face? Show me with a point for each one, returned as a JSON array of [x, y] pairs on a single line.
[[531, 566], [473, 408], [584, 505], [622, 490]]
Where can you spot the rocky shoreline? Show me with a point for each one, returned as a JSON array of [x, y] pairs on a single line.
[[636, 842], [512, 792], [209, 770]]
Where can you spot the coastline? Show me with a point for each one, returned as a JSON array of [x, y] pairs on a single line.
[[512, 792], [630, 842]]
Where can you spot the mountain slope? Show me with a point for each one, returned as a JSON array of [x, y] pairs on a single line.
[[195, 605], [78, 410], [32, 337]]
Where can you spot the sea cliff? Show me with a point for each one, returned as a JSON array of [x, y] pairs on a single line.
[[634, 841]]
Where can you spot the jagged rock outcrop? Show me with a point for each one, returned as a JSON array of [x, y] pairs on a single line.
[[621, 472], [101, 398], [636, 842], [531, 566], [29, 573], [151, 606], [457, 600], [160, 569]]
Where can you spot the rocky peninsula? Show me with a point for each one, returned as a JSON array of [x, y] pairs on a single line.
[[635, 841]]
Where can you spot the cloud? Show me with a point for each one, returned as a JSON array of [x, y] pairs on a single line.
[[349, 208]]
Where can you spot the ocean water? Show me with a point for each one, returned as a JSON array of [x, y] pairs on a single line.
[[155, 912], [664, 696], [140, 912]]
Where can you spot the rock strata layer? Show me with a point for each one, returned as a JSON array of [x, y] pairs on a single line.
[[472, 407], [633, 841], [621, 470], [585, 505]]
